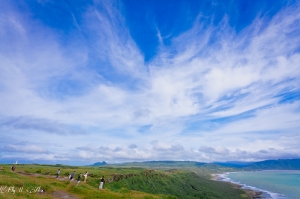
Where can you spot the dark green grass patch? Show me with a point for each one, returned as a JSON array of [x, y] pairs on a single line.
[[185, 185]]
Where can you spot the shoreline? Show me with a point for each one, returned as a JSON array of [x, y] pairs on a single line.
[[253, 194]]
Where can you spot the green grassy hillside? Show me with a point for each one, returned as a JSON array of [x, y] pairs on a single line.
[[38, 181], [181, 184], [202, 169]]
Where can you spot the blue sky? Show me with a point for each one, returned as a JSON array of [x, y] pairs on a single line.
[[121, 81]]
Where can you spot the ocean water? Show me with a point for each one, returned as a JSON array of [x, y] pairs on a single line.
[[276, 184]]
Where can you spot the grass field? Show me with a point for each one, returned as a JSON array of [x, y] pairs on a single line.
[[38, 181]]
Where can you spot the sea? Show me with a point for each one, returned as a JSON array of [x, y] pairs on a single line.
[[275, 184]]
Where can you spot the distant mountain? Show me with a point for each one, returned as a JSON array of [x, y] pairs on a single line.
[[163, 164], [235, 164], [286, 164], [99, 164]]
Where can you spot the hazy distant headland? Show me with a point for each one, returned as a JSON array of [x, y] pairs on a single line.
[[281, 164]]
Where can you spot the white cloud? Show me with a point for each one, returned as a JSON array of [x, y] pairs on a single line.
[[245, 73], [286, 117], [24, 148]]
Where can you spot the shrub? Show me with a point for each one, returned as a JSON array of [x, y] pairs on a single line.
[[124, 190], [169, 197], [148, 197]]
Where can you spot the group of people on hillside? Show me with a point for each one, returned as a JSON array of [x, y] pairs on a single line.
[[72, 175]]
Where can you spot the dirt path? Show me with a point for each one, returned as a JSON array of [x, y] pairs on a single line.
[[55, 194], [62, 195], [46, 176]]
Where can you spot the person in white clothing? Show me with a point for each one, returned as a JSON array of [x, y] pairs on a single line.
[[101, 182], [85, 176], [57, 173]]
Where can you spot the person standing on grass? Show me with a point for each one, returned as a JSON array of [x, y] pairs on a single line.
[[85, 176], [72, 176], [101, 182], [58, 172], [78, 178]]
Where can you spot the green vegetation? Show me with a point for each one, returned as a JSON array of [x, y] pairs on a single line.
[[178, 183], [38, 181], [205, 169], [202, 169]]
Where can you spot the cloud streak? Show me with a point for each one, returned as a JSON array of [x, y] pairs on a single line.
[[212, 94]]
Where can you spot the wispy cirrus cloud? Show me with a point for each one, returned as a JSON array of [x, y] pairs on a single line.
[[24, 149], [39, 124], [212, 86]]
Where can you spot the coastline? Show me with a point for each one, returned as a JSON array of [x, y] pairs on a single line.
[[253, 194]]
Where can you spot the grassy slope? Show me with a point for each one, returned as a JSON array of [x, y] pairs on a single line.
[[147, 184], [44, 178], [202, 169], [185, 185]]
